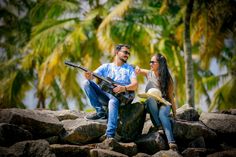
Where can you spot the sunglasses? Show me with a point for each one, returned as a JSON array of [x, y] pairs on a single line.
[[126, 52], [152, 62]]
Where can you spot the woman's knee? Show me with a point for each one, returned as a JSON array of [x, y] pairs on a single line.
[[151, 104], [164, 112]]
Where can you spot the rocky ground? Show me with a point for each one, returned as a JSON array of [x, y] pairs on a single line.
[[45, 133]]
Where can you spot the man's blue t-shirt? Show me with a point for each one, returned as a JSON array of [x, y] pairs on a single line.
[[121, 74]]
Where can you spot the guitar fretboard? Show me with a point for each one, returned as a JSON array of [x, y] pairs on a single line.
[[86, 70]]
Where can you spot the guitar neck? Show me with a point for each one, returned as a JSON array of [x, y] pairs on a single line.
[[86, 70]]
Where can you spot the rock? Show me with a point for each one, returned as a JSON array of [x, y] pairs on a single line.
[[195, 152], [81, 131], [220, 123], [188, 130], [197, 143], [167, 153], [53, 139], [230, 111], [40, 124], [17, 125], [10, 134], [142, 155], [226, 153], [129, 149], [37, 148], [148, 127], [105, 153], [70, 150], [223, 124], [151, 143], [189, 114], [132, 118], [65, 114]]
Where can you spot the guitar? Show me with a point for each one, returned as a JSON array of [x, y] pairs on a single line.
[[107, 85]]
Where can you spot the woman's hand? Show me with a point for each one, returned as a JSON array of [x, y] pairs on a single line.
[[137, 70]]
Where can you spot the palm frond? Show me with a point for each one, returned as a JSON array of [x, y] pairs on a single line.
[[52, 9], [224, 97], [164, 7], [52, 32], [13, 89], [102, 35], [50, 68]]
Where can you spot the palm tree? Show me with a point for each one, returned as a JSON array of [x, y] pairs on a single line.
[[148, 31], [189, 80], [67, 33], [64, 36], [63, 31], [15, 32], [214, 23]]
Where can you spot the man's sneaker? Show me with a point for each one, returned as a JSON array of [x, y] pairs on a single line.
[[173, 146], [96, 116], [161, 132], [105, 137]]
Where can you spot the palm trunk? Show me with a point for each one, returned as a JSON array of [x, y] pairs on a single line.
[[41, 100], [189, 80]]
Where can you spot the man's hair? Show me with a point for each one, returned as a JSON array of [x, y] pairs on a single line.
[[119, 46]]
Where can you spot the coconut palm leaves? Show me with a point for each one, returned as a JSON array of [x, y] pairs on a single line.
[[85, 32], [82, 39], [49, 41], [213, 27], [15, 31]]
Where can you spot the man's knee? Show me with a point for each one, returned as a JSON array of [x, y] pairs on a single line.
[[114, 102], [86, 83]]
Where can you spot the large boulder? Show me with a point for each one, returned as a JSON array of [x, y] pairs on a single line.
[[151, 143], [167, 153], [223, 124], [37, 148], [82, 131], [220, 123], [105, 153], [225, 153], [65, 114], [187, 113], [132, 118], [64, 150], [192, 137], [188, 131], [10, 134], [129, 149], [40, 124]]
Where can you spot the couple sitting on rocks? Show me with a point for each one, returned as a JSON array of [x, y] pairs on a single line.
[[159, 91]]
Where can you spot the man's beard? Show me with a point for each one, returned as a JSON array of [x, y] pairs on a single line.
[[123, 60]]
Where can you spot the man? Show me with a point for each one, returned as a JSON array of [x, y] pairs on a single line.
[[120, 72]]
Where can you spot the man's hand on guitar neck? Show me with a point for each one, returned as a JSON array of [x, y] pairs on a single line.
[[88, 75]]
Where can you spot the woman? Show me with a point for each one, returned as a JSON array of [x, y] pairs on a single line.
[[159, 77]]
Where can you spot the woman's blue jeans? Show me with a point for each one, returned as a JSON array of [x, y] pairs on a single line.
[[160, 116], [98, 98]]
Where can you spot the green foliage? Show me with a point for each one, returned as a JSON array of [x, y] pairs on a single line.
[[37, 37]]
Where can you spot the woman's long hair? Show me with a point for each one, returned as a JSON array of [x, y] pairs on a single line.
[[165, 78]]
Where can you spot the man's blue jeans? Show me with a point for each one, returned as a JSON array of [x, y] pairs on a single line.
[[160, 116], [97, 99]]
